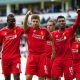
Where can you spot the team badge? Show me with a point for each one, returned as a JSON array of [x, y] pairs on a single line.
[[34, 31], [56, 36], [14, 31], [42, 35], [5, 33], [77, 46]]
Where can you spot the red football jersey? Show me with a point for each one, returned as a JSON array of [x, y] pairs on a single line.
[[10, 39], [76, 50], [62, 40], [37, 39]]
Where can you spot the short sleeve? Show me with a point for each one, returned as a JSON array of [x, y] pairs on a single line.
[[1, 37]]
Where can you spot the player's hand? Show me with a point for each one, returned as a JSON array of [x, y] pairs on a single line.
[[78, 11], [29, 13], [53, 56], [0, 55]]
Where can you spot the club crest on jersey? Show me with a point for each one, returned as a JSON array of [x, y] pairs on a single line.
[[56, 36], [42, 34], [5, 33], [34, 31], [14, 31], [77, 46]]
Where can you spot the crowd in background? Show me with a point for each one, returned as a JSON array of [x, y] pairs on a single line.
[[37, 10]]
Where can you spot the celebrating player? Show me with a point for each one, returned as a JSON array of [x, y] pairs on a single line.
[[62, 39], [10, 41], [37, 37]]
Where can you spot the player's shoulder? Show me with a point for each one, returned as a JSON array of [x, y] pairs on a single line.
[[54, 32], [19, 27], [30, 27], [69, 28], [43, 28], [4, 28]]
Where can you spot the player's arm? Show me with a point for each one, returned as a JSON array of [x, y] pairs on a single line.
[[77, 21], [0, 50], [53, 47], [26, 20], [23, 38]]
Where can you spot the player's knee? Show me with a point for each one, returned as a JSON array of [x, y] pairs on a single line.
[[28, 77], [7, 77], [41, 78], [17, 77], [68, 79], [55, 78]]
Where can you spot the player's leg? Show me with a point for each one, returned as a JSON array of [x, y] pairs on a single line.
[[68, 69], [68, 79], [29, 77], [16, 68], [49, 67], [31, 66], [42, 67], [55, 78], [6, 68], [7, 77], [56, 71], [77, 78], [77, 69], [16, 76], [41, 78]]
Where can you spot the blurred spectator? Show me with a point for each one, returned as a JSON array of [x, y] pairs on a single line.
[[24, 10], [23, 46], [36, 10], [43, 11], [51, 9]]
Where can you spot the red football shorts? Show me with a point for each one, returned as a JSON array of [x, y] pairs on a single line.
[[36, 64], [49, 67], [11, 66], [61, 67], [76, 67]]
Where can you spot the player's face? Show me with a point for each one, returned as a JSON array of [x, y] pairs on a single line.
[[36, 23], [62, 22], [11, 22], [50, 26]]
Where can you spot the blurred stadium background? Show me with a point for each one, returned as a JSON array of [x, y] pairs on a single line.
[[46, 9]]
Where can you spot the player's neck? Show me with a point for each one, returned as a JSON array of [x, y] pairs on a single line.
[[62, 29], [11, 27], [37, 27]]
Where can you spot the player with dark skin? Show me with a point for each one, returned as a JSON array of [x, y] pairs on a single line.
[[11, 26]]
